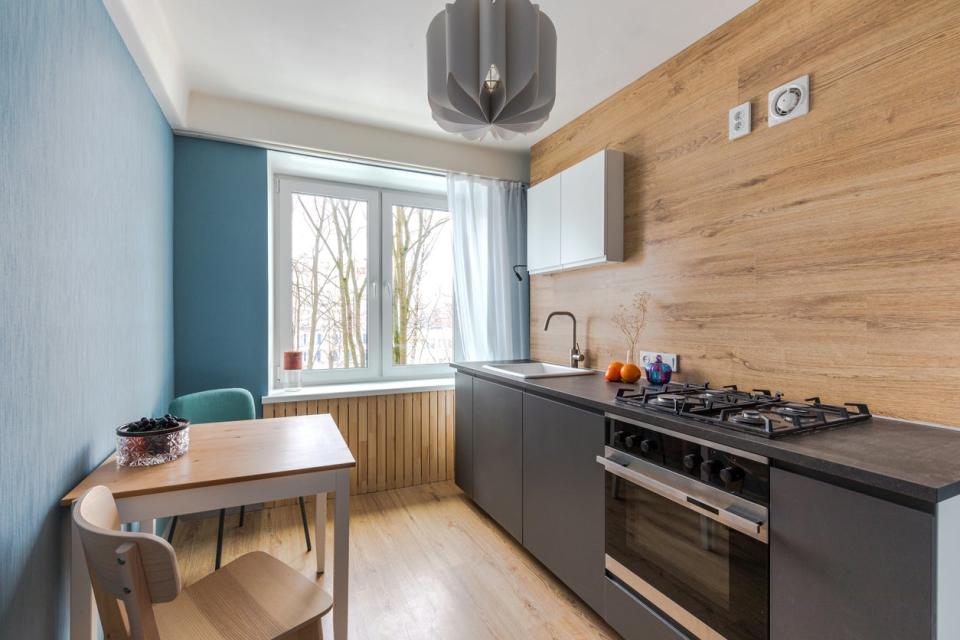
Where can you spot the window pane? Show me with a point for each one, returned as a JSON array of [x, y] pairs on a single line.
[[329, 278], [422, 286]]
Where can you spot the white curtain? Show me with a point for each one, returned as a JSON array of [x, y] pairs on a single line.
[[489, 238]]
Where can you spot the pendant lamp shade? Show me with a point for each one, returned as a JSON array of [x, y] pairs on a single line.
[[491, 66]]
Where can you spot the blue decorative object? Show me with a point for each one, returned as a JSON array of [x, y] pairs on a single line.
[[658, 372]]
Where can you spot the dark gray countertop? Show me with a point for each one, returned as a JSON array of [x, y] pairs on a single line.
[[913, 462]]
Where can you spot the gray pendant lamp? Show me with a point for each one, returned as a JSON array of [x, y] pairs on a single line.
[[491, 66]]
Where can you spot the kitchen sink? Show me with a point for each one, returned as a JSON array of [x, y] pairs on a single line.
[[537, 370]]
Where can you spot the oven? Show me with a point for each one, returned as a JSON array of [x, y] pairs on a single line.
[[686, 525]]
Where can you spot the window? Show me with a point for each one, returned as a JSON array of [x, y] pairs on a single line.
[[421, 285], [363, 281]]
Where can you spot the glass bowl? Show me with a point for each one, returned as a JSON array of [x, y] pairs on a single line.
[[152, 447]]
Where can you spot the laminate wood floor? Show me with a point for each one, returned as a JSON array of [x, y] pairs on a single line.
[[425, 563]]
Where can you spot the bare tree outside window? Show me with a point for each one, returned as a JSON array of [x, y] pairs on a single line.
[[330, 274], [422, 304], [329, 279]]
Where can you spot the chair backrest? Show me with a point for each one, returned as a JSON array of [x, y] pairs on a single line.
[[217, 405], [137, 568]]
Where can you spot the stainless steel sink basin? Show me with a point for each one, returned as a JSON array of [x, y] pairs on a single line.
[[537, 370]]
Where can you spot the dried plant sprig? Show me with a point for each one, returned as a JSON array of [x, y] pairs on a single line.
[[631, 321]]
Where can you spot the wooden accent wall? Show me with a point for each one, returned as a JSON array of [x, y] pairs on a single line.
[[821, 256], [398, 440]]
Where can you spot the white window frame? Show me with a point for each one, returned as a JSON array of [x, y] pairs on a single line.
[[390, 370], [380, 204]]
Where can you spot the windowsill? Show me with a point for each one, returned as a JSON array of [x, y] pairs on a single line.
[[355, 389]]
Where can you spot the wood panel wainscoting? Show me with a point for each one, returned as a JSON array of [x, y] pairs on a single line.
[[398, 440], [817, 257]]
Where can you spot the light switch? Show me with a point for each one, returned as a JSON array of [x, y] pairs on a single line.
[[739, 121], [649, 357]]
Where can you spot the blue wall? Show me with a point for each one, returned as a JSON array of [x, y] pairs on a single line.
[[86, 321], [220, 266]]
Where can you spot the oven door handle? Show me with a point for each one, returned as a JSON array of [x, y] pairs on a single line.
[[749, 520]]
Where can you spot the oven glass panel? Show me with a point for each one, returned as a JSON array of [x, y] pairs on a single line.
[[717, 574]]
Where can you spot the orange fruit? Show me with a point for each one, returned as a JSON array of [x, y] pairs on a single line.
[[613, 372], [630, 373]]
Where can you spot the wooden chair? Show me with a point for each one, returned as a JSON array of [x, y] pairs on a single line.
[[136, 583]]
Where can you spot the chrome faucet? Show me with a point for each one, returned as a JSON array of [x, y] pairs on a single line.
[[575, 356]]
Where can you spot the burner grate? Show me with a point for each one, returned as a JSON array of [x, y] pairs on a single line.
[[759, 411]]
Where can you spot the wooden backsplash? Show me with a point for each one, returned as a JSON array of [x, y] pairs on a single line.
[[821, 256]]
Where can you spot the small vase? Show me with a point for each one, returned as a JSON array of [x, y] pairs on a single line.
[[631, 356], [659, 372], [292, 364]]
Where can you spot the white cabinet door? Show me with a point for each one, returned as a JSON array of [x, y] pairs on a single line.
[[543, 225], [583, 215]]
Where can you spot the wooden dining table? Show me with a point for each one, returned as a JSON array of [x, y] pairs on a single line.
[[229, 464]]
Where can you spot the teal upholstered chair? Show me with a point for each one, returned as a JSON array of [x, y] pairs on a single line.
[[218, 405], [222, 405]]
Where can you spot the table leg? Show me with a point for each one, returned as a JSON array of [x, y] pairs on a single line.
[[341, 554], [320, 524], [148, 526], [83, 622]]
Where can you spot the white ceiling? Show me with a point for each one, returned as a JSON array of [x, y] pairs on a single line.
[[365, 61]]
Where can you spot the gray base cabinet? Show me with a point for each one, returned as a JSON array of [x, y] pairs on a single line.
[[463, 433], [843, 565], [498, 453], [563, 493], [847, 566]]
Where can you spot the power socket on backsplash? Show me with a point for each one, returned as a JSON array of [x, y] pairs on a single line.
[[649, 357]]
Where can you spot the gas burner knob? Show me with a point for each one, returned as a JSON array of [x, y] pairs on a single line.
[[630, 441], [648, 446], [617, 437], [732, 477], [692, 461], [711, 467]]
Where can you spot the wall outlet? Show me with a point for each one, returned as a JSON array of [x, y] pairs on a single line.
[[738, 121], [649, 357]]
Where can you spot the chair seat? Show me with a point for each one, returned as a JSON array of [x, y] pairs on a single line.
[[255, 597]]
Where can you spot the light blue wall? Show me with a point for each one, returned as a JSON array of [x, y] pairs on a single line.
[[220, 266], [86, 232]]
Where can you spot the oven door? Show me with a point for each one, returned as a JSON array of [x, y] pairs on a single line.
[[693, 551]]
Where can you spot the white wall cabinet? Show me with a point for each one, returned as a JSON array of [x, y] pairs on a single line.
[[575, 218], [543, 226]]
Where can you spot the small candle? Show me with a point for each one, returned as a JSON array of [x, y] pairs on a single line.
[[292, 364], [292, 360]]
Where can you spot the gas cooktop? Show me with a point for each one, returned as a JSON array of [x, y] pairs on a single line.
[[758, 412]]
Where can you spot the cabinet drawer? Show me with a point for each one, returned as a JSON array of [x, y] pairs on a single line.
[[633, 619]]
